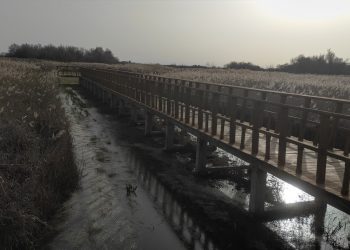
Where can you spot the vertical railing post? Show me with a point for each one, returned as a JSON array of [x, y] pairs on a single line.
[[176, 100], [244, 104], [200, 94], [302, 128], [232, 105], [324, 132], [333, 134], [283, 131], [168, 97], [257, 119], [268, 138], [187, 103], [160, 96], [346, 177], [214, 112]]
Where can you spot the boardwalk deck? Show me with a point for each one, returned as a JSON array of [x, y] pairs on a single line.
[[307, 147]]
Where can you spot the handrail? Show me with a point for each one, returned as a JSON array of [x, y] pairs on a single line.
[[322, 98], [339, 115]]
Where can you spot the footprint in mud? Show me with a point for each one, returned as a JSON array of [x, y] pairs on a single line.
[[100, 170], [92, 230], [130, 171], [94, 139], [101, 157], [111, 175], [103, 149]]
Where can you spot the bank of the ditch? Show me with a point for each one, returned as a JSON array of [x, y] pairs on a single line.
[[37, 169]]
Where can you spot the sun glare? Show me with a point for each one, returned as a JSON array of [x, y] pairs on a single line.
[[306, 10]]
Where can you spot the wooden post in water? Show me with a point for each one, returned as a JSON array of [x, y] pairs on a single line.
[[169, 135], [257, 190], [103, 96], [121, 107], [133, 113], [320, 213], [97, 88], [113, 103], [201, 155], [100, 90], [346, 179], [148, 123]]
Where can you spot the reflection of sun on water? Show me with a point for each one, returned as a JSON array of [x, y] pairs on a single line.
[[285, 192], [292, 194], [311, 10], [299, 231]]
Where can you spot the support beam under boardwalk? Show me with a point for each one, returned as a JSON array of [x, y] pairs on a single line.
[[148, 123], [121, 107], [257, 190], [169, 135], [134, 113], [285, 211], [201, 155]]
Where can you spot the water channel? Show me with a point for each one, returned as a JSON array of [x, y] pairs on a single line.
[[103, 214]]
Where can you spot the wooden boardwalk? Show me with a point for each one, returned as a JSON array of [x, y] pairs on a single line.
[[301, 139]]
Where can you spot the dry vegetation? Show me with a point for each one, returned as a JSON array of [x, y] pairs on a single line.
[[37, 170], [308, 84], [319, 85]]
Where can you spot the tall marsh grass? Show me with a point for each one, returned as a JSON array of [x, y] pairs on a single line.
[[307, 84], [37, 170]]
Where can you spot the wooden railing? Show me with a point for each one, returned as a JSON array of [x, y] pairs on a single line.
[[315, 123], [68, 71]]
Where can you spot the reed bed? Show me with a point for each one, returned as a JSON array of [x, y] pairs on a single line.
[[37, 170]]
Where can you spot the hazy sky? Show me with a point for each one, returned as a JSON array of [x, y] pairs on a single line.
[[265, 32]]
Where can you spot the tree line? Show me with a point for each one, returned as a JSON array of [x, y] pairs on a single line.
[[62, 53], [327, 63]]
